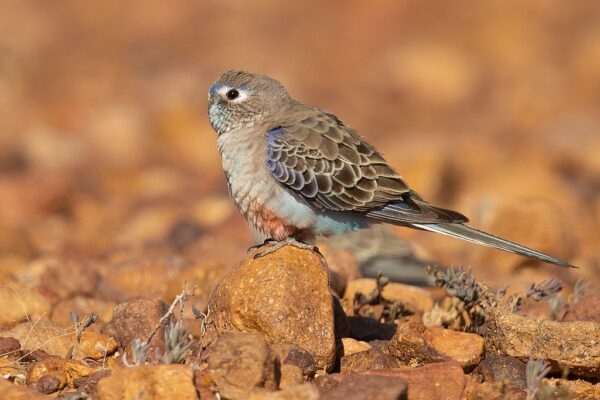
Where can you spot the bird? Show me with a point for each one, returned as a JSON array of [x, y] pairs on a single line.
[[298, 173]]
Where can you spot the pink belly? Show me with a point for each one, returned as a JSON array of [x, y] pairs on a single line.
[[268, 222]]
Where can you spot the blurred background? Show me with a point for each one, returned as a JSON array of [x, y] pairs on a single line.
[[490, 108]]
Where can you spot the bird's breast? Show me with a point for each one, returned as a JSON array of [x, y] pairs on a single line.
[[260, 199]]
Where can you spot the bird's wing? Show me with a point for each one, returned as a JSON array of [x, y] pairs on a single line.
[[331, 167]]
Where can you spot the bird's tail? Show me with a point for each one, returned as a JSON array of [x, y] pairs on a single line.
[[467, 233]]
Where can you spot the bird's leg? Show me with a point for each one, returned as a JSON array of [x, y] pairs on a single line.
[[292, 241]]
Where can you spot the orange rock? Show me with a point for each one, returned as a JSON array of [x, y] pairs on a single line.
[[18, 303], [12, 391], [352, 346], [572, 345], [413, 297], [168, 382], [464, 348], [240, 363], [414, 344], [66, 371], [444, 380], [285, 296]]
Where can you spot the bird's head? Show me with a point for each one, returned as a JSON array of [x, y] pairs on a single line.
[[240, 99]]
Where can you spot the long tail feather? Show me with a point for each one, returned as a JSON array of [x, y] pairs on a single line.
[[467, 233]]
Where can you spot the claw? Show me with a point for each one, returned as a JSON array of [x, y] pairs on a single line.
[[287, 241], [259, 245]]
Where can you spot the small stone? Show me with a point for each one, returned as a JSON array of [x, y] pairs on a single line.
[[575, 389], [298, 392], [66, 371], [365, 360], [240, 363], [296, 364], [410, 346], [414, 344], [54, 340], [475, 390], [68, 278], [572, 345], [42, 335], [465, 348], [440, 381], [415, 299], [10, 347], [11, 391], [89, 384], [352, 346], [18, 303], [94, 345], [136, 319], [166, 382], [364, 387], [47, 384], [284, 296], [9, 369], [32, 356], [502, 368]]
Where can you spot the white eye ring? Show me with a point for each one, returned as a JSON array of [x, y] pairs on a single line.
[[242, 94]]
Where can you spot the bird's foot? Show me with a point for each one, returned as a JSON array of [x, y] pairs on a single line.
[[280, 244], [259, 245]]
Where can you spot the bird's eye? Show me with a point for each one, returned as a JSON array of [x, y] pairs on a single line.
[[232, 94]]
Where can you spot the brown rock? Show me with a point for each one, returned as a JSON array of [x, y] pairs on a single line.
[[414, 298], [502, 368], [365, 360], [140, 278], [10, 347], [136, 319], [351, 346], [464, 348], [19, 303], [364, 387], [298, 392], [83, 306], [440, 381], [573, 345], [66, 371], [586, 309], [67, 278], [94, 345], [240, 363], [577, 389], [167, 382], [11, 391], [9, 369], [285, 296], [89, 384], [414, 344], [410, 346], [47, 384], [296, 364], [491, 391], [42, 335]]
